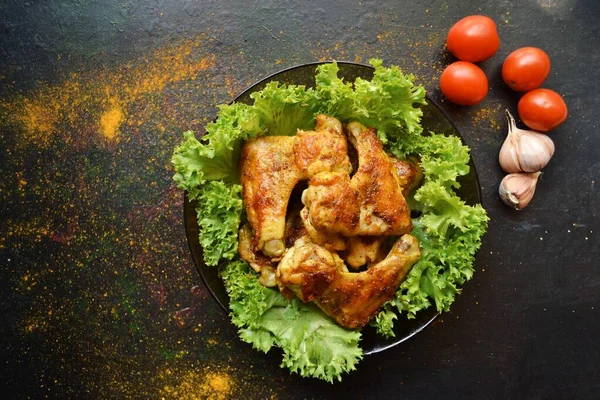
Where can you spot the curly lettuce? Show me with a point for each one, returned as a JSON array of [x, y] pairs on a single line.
[[215, 156], [449, 230], [283, 109], [219, 214], [313, 345], [390, 102]]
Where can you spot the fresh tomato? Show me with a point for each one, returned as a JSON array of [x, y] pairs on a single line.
[[473, 38], [464, 83], [542, 109], [526, 68]]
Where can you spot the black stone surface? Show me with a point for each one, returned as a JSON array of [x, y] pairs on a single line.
[[99, 297]]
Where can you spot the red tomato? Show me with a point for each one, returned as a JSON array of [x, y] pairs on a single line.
[[464, 83], [526, 68], [542, 109], [473, 38]]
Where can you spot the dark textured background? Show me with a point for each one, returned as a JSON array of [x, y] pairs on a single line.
[[99, 296]]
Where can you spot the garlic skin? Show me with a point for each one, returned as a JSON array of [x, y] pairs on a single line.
[[516, 190], [524, 150]]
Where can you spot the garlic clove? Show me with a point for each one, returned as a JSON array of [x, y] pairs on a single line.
[[508, 158], [534, 151], [524, 150], [516, 190]]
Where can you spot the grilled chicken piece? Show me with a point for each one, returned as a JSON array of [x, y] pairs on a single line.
[[370, 203], [351, 298], [258, 261], [272, 165], [249, 252], [363, 250], [360, 250], [409, 173], [332, 242]]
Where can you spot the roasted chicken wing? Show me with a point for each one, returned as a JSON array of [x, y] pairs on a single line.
[[363, 250], [271, 166], [340, 212], [351, 298], [257, 260], [331, 241], [409, 173], [368, 203]]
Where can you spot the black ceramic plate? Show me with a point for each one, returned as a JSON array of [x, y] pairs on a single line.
[[434, 119]]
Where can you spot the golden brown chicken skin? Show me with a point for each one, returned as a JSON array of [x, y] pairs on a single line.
[[409, 174], [271, 166], [256, 259], [366, 250], [350, 298], [369, 203], [363, 250], [340, 213]]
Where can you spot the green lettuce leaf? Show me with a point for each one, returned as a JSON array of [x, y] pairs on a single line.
[[449, 231], [384, 320], [443, 158], [283, 109], [216, 155], [313, 345], [338, 95], [390, 102], [219, 211]]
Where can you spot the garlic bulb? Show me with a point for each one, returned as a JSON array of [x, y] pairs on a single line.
[[516, 190], [524, 150]]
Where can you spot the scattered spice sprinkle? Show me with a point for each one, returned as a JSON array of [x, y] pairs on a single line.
[[110, 122], [116, 285], [69, 109], [202, 384], [115, 268], [489, 114]]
